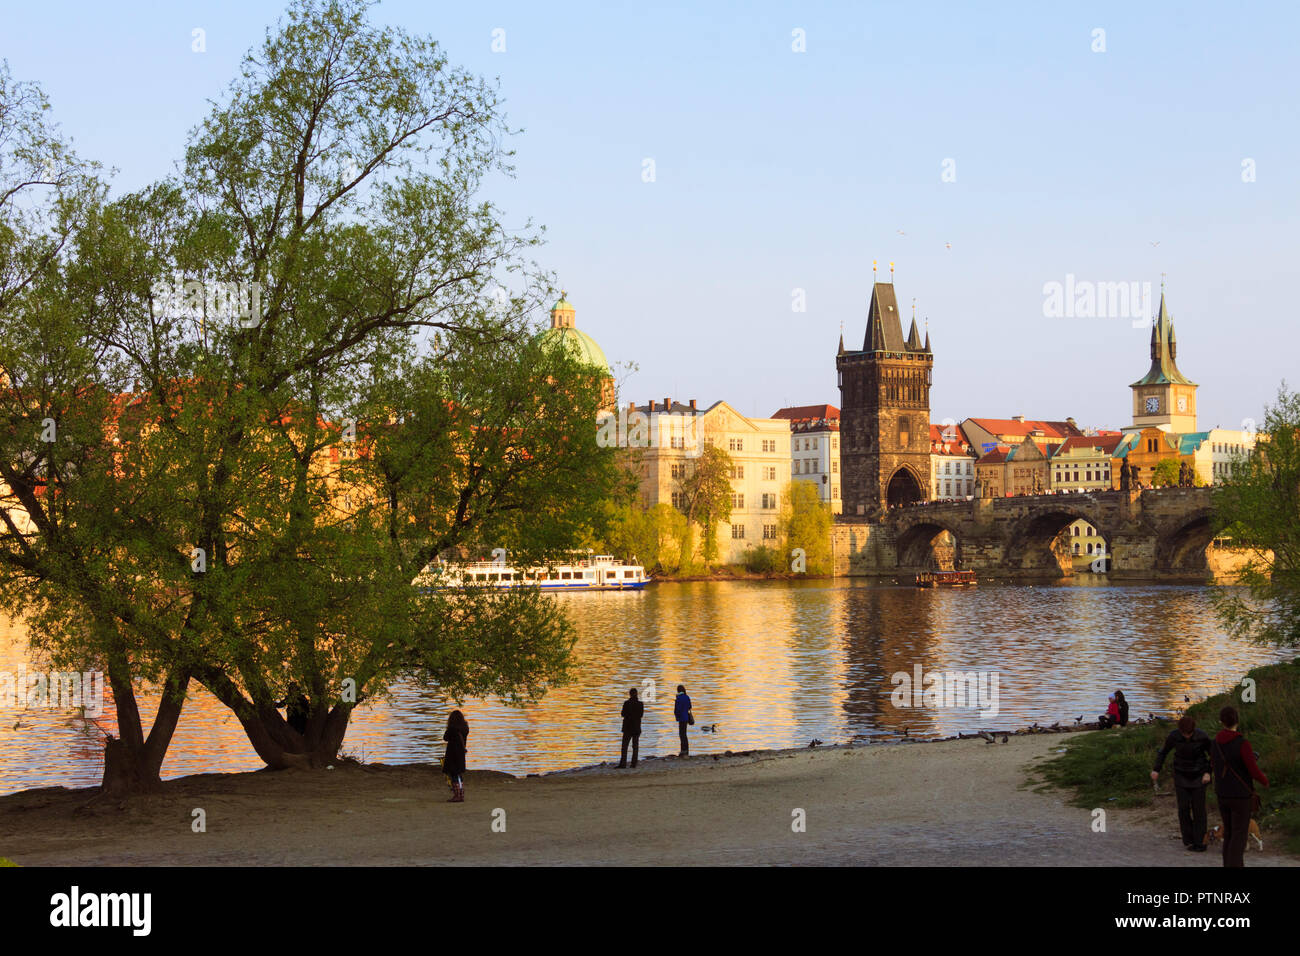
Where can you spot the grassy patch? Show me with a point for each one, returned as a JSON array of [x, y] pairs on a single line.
[[1113, 767], [5, 861]]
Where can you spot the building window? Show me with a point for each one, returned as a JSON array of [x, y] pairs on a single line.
[[679, 471], [769, 473], [769, 444], [738, 531], [814, 444], [835, 444], [737, 500], [769, 532], [738, 471], [835, 492], [769, 500]]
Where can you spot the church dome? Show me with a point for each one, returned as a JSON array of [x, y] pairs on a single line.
[[581, 345]]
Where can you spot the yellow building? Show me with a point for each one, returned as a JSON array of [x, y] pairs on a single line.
[[664, 439]]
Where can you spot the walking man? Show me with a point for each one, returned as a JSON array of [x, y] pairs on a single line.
[[632, 711], [1234, 765], [682, 711], [1191, 748]]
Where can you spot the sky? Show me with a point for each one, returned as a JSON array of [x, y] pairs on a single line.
[[987, 151]]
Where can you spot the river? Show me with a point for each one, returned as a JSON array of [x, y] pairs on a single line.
[[771, 664]]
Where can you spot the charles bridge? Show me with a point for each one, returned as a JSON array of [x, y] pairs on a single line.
[[1155, 534]]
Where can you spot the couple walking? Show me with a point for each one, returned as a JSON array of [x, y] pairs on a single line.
[[634, 710], [1227, 758]]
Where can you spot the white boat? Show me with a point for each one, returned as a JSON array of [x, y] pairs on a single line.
[[597, 572]]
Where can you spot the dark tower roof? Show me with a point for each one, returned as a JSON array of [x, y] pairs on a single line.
[[1164, 348], [884, 324], [927, 340], [914, 337]]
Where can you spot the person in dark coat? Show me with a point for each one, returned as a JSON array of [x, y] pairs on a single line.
[[1234, 766], [1191, 750], [1122, 706], [633, 710], [453, 761], [682, 712]]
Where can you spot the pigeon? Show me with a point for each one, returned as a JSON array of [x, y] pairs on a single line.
[[1079, 719], [815, 743], [1004, 738], [1186, 699], [988, 737]]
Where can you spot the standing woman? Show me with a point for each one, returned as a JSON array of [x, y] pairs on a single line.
[[1235, 770], [453, 761]]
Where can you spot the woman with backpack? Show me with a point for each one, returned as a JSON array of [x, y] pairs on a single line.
[[1234, 767]]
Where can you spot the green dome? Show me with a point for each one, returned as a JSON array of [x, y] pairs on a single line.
[[581, 345]]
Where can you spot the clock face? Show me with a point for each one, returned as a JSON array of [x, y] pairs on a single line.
[[1182, 403], [1153, 404]]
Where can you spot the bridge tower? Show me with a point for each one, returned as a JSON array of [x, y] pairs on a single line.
[[884, 411]]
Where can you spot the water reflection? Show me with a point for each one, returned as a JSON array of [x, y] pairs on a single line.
[[772, 664]]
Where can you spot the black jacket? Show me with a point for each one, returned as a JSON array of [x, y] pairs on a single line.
[[1191, 756], [632, 711]]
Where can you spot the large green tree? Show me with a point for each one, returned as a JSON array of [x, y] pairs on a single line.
[[705, 494], [806, 525], [1258, 505], [298, 381]]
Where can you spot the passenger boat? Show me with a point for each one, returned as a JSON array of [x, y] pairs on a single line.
[[596, 572], [945, 579]]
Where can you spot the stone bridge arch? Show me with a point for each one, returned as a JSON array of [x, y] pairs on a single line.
[[1036, 543], [1182, 544], [928, 543]]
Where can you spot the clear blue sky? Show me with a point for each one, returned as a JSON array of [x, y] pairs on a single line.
[[778, 171]]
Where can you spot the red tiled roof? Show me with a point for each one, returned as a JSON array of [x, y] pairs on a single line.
[[1009, 426], [995, 455], [800, 413], [1105, 443]]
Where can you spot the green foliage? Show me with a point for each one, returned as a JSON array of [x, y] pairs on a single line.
[[1113, 767], [653, 536], [5, 861], [706, 493], [764, 560], [1258, 504], [806, 524], [381, 408], [1166, 473]]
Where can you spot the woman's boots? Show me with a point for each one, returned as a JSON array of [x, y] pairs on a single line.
[[457, 792]]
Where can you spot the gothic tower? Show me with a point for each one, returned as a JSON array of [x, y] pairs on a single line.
[[1164, 397], [885, 411]]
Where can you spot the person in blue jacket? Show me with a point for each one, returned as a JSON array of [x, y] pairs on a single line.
[[682, 711]]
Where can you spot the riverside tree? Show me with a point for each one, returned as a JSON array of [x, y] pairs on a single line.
[[1258, 504], [705, 493], [299, 381], [806, 524]]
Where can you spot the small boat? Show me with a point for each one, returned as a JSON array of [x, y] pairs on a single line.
[[946, 579], [597, 572]]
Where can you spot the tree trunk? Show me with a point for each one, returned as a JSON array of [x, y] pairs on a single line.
[[133, 763]]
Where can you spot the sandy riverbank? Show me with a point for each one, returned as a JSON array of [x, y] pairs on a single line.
[[956, 802]]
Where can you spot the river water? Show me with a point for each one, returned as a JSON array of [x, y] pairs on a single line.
[[771, 664]]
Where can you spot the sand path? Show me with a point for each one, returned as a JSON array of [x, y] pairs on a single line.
[[950, 803]]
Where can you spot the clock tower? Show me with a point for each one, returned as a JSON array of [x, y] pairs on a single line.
[[1164, 397]]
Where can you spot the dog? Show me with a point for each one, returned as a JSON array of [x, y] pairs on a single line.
[[1216, 833]]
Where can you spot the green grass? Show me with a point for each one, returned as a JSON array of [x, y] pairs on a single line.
[[1113, 767], [5, 861]]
